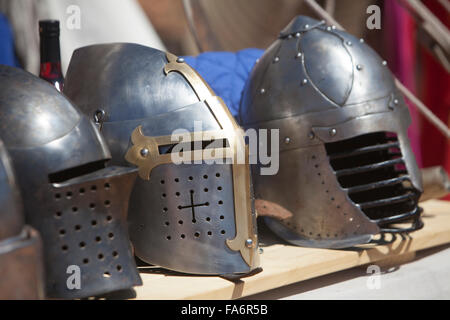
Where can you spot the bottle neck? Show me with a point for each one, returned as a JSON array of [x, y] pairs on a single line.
[[50, 49]]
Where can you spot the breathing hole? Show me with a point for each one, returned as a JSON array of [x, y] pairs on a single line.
[[162, 181], [93, 188], [98, 239], [74, 209], [107, 186], [69, 195], [111, 235], [222, 232], [167, 223], [86, 261], [206, 189], [209, 233], [165, 209], [119, 268], [168, 237], [163, 195], [208, 219], [106, 275], [57, 196], [217, 175], [183, 236], [197, 234], [94, 223], [107, 203], [58, 214], [219, 188], [82, 244], [109, 218], [191, 178], [100, 256], [205, 176], [62, 232], [82, 191], [115, 254], [180, 222], [222, 217], [177, 180], [65, 248], [220, 202], [77, 227], [177, 194]]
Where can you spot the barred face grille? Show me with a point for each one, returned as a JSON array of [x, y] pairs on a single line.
[[371, 169]]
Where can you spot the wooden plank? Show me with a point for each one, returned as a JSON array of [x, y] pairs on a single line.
[[285, 264]]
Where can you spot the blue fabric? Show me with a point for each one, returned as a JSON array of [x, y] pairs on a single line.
[[226, 72], [6, 43]]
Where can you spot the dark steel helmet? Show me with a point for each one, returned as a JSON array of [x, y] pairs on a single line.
[[78, 206], [347, 171], [194, 218], [21, 260]]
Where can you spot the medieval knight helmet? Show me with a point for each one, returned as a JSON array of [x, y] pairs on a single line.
[[189, 217], [21, 260], [347, 171], [78, 206]]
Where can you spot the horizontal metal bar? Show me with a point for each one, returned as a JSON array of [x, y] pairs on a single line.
[[399, 217], [369, 167], [363, 150], [378, 184], [386, 201]]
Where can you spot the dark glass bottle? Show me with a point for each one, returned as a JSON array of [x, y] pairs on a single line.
[[50, 53]]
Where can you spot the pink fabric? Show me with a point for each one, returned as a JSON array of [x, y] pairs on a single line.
[[400, 37]]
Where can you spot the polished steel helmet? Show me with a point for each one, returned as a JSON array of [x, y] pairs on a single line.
[[78, 206], [21, 260], [189, 217], [347, 171]]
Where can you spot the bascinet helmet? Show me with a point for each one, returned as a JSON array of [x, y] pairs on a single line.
[[78, 206], [190, 217], [21, 260], [347, 171]]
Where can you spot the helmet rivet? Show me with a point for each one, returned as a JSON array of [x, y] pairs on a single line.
[[395, 101], [328, 28], [287, 140], [276, 59], [384, 63], [257, 60], [349, 43], [359, 67], [306, 26], [333, 27], [305, 81], [144, 152], [180, 60], [249, 243], [311, 135], [361, 40], [262, 90], [333, 132], [297, 35], [290, 36], [298, 55]]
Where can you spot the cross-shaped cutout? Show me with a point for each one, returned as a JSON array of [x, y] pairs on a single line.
[[193, 206]]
